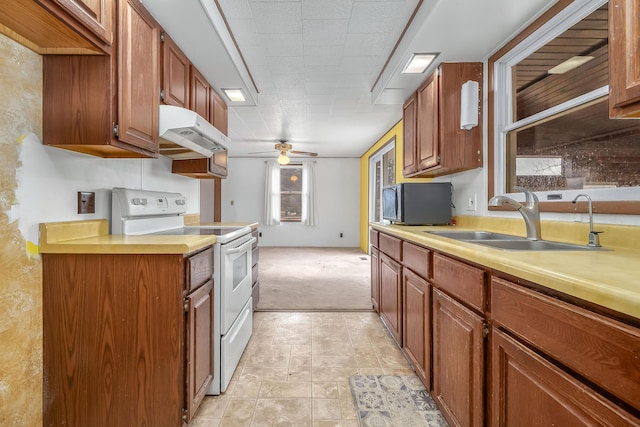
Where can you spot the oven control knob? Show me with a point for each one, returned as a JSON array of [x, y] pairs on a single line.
[[143, 202], [135, 201], [180, 202]]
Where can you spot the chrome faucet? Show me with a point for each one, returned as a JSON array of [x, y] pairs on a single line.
[[594, 239], [529, 210]]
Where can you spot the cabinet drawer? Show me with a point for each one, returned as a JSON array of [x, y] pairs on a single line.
[[600, 349], [460, 280], [391, 246], [417, 259], [199, 268], [373, 238]]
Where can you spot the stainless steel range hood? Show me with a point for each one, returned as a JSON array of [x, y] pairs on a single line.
[[186, 135]]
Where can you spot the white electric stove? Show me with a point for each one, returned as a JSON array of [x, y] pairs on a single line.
[[143, 212]]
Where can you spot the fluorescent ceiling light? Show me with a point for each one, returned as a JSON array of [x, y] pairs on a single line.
[[234, 95], [570, 64], [418, 63]]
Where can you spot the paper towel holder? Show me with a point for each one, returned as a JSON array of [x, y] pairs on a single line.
[[469, 104]]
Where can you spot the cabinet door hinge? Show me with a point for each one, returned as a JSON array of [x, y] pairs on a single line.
[[116, 130], [186, 306], [439, 158], [161, 94], [162, 37], [485, 329], [184, 414]]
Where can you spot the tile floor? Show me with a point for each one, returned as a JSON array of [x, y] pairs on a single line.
[[295, 371]]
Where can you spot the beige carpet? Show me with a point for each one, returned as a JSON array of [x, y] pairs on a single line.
[[314, 279]]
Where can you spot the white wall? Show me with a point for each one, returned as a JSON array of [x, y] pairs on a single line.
[[338, 192], [49, 178]]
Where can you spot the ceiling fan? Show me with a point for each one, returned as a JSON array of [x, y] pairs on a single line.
[[284, 147]]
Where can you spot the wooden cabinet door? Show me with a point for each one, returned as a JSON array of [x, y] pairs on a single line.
[[427, 129], [199, 348], [391, 296], [96, 15], [375, 279], [138, 77], [219, 112], [409, 123], [175, 74], [458, 361], [624, 58], [416, 331], [527, 390], [200, 93]]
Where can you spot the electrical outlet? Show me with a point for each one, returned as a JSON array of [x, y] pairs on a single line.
[[472, 202], [341, 235], [86, 202]]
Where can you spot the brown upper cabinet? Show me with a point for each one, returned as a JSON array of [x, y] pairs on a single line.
[[59, 26], [218, 111], [435, 145], [200, 94], [107, 106], [624, 59], [175, 74]]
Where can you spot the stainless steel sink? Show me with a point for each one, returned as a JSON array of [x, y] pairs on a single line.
[[534, 245], [511, 243], [474, 235]]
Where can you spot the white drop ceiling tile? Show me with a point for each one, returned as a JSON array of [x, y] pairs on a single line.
[[321, 73], [278, 17], [286, 64], [359, 64], [314, 88], [289, 81], [315, 110], [325, 32], [255, 56], [268, 99], [368, 45], [320, 99], [283, 44], [236, 9], [326, 9], [373, 17], [323, 55], [245, 33]]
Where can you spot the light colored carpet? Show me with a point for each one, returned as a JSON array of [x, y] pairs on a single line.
[[394, 401], [313, 278]]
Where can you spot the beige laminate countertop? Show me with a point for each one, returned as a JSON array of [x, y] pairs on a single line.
[[92, 237], [608, 278]]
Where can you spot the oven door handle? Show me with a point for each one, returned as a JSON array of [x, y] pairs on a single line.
[[242, 246]]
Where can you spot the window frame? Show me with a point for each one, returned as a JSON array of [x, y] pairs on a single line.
[[542, 30], [284, 167], [379, 155]]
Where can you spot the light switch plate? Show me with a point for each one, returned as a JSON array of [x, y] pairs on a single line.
[[86, 202]]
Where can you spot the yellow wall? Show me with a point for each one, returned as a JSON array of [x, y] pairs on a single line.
[[21, 277], [395, 131]]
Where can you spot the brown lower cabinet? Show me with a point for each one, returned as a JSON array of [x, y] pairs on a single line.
[[391, 296], [126, 338], [375, 279], [416, 295], [527, 390], [498, 353], [458, 361]]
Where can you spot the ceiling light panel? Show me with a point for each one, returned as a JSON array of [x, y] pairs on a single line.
[[418, 63]]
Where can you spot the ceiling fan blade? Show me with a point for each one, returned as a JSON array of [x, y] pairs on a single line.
[[262, 152], [304, 153]]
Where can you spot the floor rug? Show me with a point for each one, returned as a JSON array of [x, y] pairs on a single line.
[[394, 400]]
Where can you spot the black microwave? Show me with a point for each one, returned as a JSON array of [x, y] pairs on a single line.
[[418, 203]]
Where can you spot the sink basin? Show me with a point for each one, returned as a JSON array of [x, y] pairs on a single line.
[[474, 235], [534, 245], [511, 243]]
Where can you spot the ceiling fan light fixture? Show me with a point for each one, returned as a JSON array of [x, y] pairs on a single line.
[[283, 159], [418, 63]]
